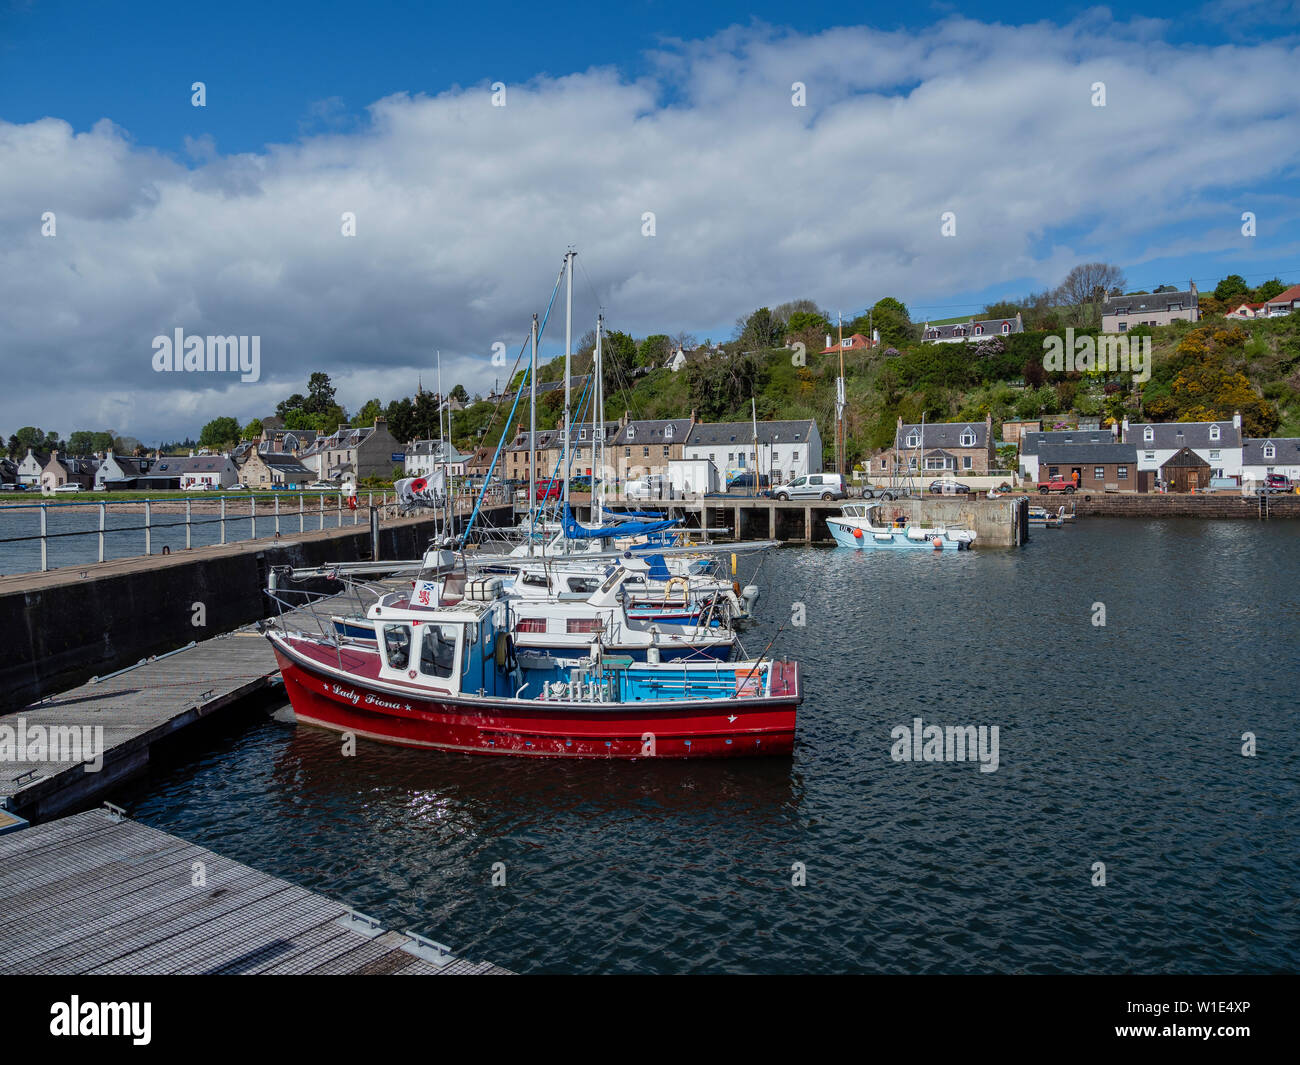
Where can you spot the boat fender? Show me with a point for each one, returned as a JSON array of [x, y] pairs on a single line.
[[857, 534], [501, 650], [938, 543], [735, 587]]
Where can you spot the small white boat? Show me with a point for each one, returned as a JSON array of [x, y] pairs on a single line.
[[862, 525]]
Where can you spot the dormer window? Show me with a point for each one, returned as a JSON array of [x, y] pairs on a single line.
[[1006, 327], [631, 432], [1148, 434], [968, 438], [1214, 432], [913, 439], [582, 434], [668, 431], [979, 329], [1270, 452]]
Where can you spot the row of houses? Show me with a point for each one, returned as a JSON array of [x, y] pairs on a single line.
[[1143, 457], [636, 448]]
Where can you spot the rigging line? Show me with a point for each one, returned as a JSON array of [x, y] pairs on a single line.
[[478, 503]]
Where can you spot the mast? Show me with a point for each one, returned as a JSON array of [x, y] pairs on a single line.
[[532, 438], [442, 450], [839, 404], [753, 412], [599, 429], [568, 384]]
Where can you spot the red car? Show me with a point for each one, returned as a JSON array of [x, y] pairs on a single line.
[[549, 490], [1057, 484]]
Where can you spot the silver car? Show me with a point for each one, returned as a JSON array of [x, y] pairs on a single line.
[[812, 486]]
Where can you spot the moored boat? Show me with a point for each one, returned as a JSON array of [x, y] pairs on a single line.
[[862, 525]]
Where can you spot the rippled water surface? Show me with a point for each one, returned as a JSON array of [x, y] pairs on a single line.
[[1119, 745]]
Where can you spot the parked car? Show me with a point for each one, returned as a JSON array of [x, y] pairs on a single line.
[[1277, 482], [877, 491], [68, 488], [198, 486], [1056, 484], [812, 486], [14, 487], [749, 482], [322, 486], [945, 487], [241, 487], [652, 486], [549, 489]]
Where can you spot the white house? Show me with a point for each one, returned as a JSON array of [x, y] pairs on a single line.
[[1278, 454], [29, 469], [425, 456], [785, 449], [1218, 443], [121, 469]]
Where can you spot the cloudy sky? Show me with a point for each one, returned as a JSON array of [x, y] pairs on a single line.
[[227, 219]]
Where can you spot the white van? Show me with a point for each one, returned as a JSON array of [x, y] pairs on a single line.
[[812, 486]]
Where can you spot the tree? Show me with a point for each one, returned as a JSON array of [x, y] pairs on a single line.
[[1165, 288], [685, 341], [759, 330], [618, 350], [785, 311], [1268, 290], [653, 350], [294, 402], [1002, 309], [459, 394], [890, 317], [1232, 287], [802, 321], [253, 430], [369, 411], [85, 442], [400, 414], [1085, 288], [220, 433], [320, 394]]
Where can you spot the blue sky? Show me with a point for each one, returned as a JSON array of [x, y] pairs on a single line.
[[175, 215]]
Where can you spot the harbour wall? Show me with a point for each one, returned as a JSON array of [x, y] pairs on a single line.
[[63, 627], [1172, 505]]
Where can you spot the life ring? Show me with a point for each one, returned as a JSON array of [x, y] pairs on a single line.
[[686, 589]]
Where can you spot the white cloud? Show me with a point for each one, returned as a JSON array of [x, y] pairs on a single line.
[[464, 210]]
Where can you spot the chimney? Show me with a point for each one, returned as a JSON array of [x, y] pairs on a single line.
[[1123, 436], [828, 341], [694, 416], [1236, 420]]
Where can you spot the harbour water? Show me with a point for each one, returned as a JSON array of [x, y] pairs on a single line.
[[1118, 744]]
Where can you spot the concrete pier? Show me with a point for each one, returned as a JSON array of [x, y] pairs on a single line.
[[99, 894]]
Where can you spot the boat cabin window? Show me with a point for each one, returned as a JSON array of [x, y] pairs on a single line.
[[536, 580], [397, 645], [438, 650], [584, 584], [611, 580]]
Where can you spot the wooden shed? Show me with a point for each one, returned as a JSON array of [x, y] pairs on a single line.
[[1186, 471]]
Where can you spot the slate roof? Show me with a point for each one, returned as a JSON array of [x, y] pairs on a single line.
[[945, 434], [1288, 451], [1149, 303], [1087, 454], [719, 434], [546, 438], [987, 327], [282, 462], [1170, 436], [653, 432], [1031, 442], [439, 450]]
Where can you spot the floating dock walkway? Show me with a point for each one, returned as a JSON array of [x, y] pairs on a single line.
[[96, 893]]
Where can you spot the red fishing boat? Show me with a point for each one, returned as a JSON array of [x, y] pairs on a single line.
[[446, 677]]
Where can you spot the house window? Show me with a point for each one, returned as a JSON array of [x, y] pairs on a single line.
[[882, 463], [913, 439], [582, 434], [794, 456], [1099, 473], [627, 452], [1123, 327], [1006, 327], [1121, 473], [1053, 471], [1270, 451], [968, 439], [665, 450], [1214, 454], [645, 451], [966, 462], [631, 432], [668, 432], [1214, 432], [979, 329], [1150, 456], [1148, 435]]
